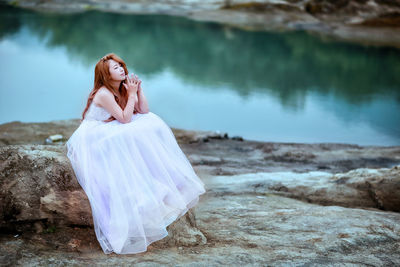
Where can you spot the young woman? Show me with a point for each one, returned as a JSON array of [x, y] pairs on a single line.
[[127, 160]]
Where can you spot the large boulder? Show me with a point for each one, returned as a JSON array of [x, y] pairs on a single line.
[[38, 188]]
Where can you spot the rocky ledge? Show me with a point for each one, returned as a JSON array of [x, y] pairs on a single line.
[[374, 22], [266, 203]]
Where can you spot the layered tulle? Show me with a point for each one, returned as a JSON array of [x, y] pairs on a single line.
[[136, 177]]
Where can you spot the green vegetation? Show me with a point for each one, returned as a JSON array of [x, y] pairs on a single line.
[[50, 229]]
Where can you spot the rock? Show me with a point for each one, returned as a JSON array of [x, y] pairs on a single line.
[[268, 205], [16, 133], [367, 188], [391, 19], [37, 183], [242, 229], [238, 138], [74, 243], [184, 232], [188, 137], [382, 186], [38, 227], [292, 156], [204, 160], [54, 138]]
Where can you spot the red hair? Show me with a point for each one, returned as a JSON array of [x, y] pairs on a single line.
[[102, 78]]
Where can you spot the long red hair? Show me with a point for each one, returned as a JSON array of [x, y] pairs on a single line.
[[102, 78]]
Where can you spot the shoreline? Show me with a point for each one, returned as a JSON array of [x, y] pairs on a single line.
[[18, 132], [216, 153]]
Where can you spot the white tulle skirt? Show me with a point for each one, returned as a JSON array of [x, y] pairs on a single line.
[[136, 177]]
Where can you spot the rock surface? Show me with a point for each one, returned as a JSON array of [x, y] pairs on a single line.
[[38, 183], [244, 229], [375, 22], [266, 204], [18, 133], [362, 188]]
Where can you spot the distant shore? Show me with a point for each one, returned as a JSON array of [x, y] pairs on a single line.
[[370, 23]]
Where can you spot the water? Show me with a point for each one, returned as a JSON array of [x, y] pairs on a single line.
[[288, 87]]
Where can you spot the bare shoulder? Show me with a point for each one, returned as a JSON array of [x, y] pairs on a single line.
[[101, 93]]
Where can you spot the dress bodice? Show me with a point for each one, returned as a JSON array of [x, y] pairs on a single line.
[[96, 113]]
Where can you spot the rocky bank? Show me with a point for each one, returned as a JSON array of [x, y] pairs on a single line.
[[267, 203], [372, 22]]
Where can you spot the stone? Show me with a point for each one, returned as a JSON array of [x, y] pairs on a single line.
[[54, 138], [37, 183]]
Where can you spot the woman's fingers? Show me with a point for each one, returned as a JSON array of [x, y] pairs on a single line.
[[133, 79]]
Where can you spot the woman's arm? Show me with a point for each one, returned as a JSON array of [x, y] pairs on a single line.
[[142, 105], [107, 101]]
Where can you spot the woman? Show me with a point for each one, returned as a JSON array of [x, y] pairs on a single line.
[[127, 160]]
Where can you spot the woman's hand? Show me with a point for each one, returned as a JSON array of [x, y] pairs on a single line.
[[132, 84], [139, 86]]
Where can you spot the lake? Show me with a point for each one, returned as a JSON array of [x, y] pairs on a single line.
[[267, 86]]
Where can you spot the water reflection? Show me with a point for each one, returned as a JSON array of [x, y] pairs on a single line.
[[358, 86]]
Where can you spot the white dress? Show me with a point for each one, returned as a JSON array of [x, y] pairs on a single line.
[[136, 177]]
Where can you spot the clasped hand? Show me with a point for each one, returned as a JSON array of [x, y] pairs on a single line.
[[132, 84]]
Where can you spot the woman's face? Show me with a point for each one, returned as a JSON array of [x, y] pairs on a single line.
[[117, 72]]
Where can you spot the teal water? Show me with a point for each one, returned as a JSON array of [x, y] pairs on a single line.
[[288, 87]]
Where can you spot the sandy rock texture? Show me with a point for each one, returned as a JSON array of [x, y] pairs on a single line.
[[362, 188], [375, 22], [266, 203], [38, 183], [244, 229]]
